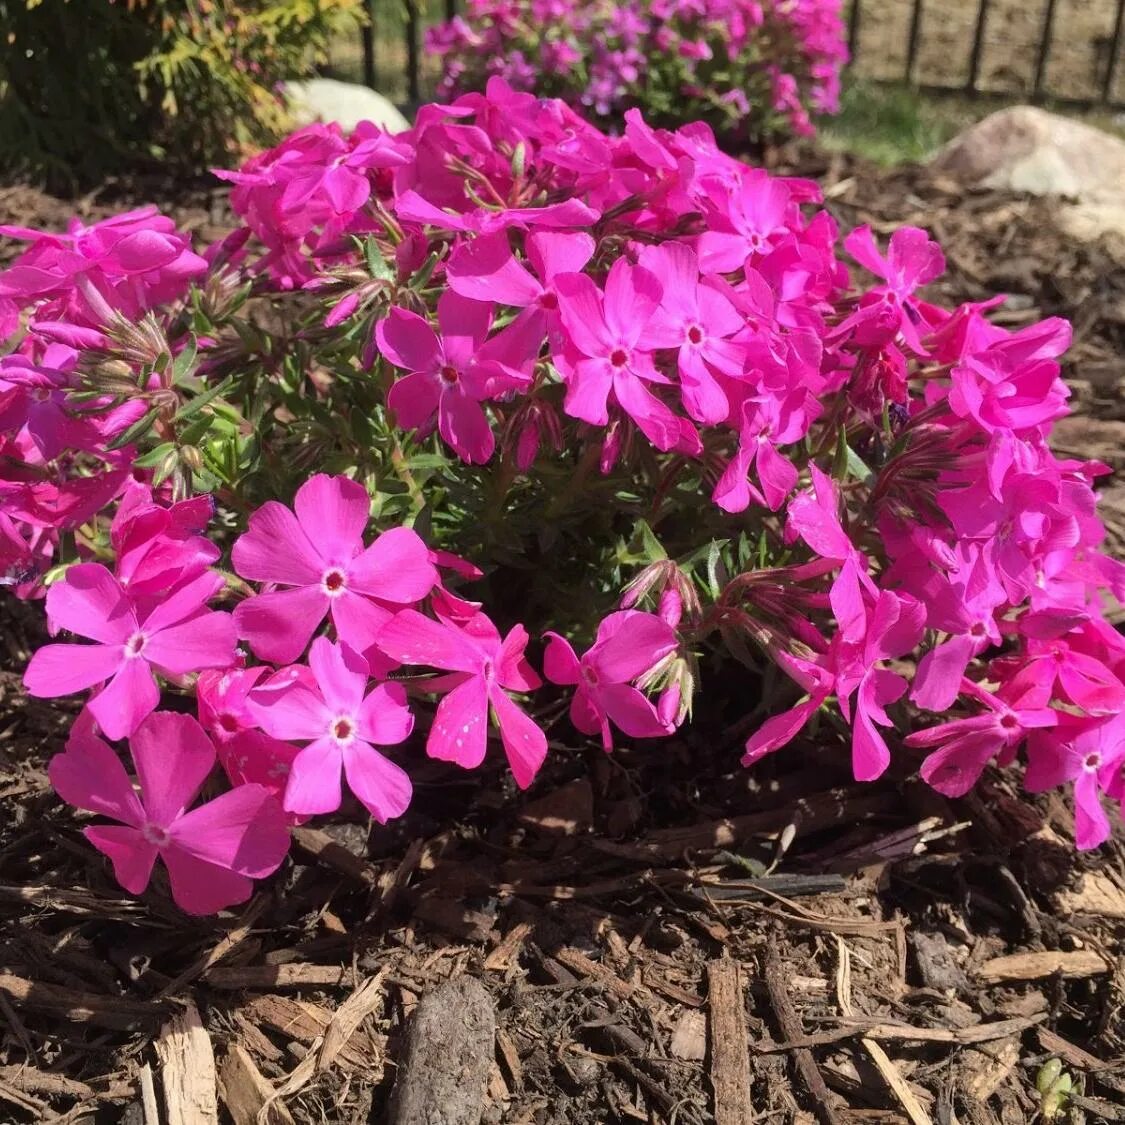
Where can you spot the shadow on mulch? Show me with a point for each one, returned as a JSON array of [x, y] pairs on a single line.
[[643, 923]]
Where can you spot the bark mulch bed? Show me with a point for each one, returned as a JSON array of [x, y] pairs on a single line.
[[614, 945]]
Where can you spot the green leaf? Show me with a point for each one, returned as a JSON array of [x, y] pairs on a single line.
[[153, 457], [137, 430], [195, 405], [184, 366]]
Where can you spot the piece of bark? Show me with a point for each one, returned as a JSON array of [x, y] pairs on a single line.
[[936, 963], [82, 1007], [899, 1086], [566, 811], [1095, 894], [730, 1048], [187, 1070], [791, 1028], [347, 1018], [304, 1022], [689, 1036], [443, 1072], [577, 962], [1033, 966], [508, 950], [983, 1071], [296, 975], [246, 1091], [33, 1081]]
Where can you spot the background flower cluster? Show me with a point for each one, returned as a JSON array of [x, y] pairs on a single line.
[[506, 399], [752, 69]]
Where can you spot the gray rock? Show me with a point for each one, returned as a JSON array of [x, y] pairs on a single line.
[[346, 103]]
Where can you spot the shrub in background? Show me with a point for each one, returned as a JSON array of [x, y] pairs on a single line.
[[91, 87], [752, 69], [504, 399]]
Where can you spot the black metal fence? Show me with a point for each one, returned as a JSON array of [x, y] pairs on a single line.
[[1064, 51]]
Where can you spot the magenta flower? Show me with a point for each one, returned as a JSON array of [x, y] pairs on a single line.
[[212, 853], [173, 636], [1091, 755], [318, 557], [450, 375], [610, 350], [342, 723], [481, 667], [628, 644]]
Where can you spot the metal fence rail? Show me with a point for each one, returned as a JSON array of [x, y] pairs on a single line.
[[889, 40]]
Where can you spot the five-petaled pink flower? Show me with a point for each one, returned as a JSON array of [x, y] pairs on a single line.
[[173, 634], [628, 644], [342, 722], [318, 556], [483, 669], [212, 853]]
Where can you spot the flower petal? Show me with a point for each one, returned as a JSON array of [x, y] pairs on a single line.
[[382, 787], [243, 830], [126, 700], [199, 887], [333, 513], [173, 756], [91, 603], [278, 625], [276, 549], [57, 670], [314, 779], [131, 855], [90, 776], [395, 568], [460, 728], [524, 742]]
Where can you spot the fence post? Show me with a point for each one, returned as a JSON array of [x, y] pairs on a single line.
[[853, 31], [367, 36], [1044, 51], [413, 81], [1114, 51], [978, 46], [912, 42]]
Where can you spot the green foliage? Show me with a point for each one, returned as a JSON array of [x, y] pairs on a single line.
[[91, 87]]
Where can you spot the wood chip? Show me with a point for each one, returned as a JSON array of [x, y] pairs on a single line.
[[1033, 966], [566, 811], [507, 951], [1095, 894], [577, 962], [297, 975], [187, 1070], [323, 848], [82, 1007], [347, 1018], [983, 1071], [689, 1036], [444, 1069], [899, 1086], [33, 1081], [302, 1021], [247, 1092], [730, 1049]]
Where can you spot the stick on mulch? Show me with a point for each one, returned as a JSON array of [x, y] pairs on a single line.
[[791, 1028], [730, 1049]]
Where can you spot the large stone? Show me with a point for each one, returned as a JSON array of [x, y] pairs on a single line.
[[346, 103], [1028, 150]]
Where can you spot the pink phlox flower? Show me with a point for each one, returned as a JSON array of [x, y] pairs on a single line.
[[412, 207], [315, 555], [912, 260], [33, 398], [814, 516], [212, 852], [765, 424], [817, 678], [744, 222], [485, 269], [966, 746], [449, 375], [156, 546], [481, 669], [610, 348], [1050, 669], [1090, 753], [222, 697], [698, 321], [628, 645], [173, 637], [327, 705], [894, 626]]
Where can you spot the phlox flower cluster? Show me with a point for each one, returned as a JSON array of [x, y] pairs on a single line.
[[504, 400], [752, 69]]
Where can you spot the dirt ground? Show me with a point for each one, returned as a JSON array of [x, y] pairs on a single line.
[[640, 924], [1079, 54]]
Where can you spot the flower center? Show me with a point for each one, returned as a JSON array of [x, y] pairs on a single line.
[[695, 334], [1092, 761], [449, 373], [487, 670], [342, 729], [619, 357], [134, 646], [589, 675], [334, 582], [41, 394], [228, 722], [1009, 721], [155, 835], [548, 301]]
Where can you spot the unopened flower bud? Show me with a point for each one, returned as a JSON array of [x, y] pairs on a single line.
[[192, 458], [671, 606]]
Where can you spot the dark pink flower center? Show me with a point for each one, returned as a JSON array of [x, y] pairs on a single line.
[[334, 582], [155, 835], [1092, 761], [695, 334], [487, 670], [548, 300], [589, 675], [134, 646], [342, 729], [228, 722], [619, 357], [41, 394], [1009, 721], [449, 373]]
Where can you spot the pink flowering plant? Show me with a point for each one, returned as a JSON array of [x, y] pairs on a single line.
[[503, 435], [753, 70]]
